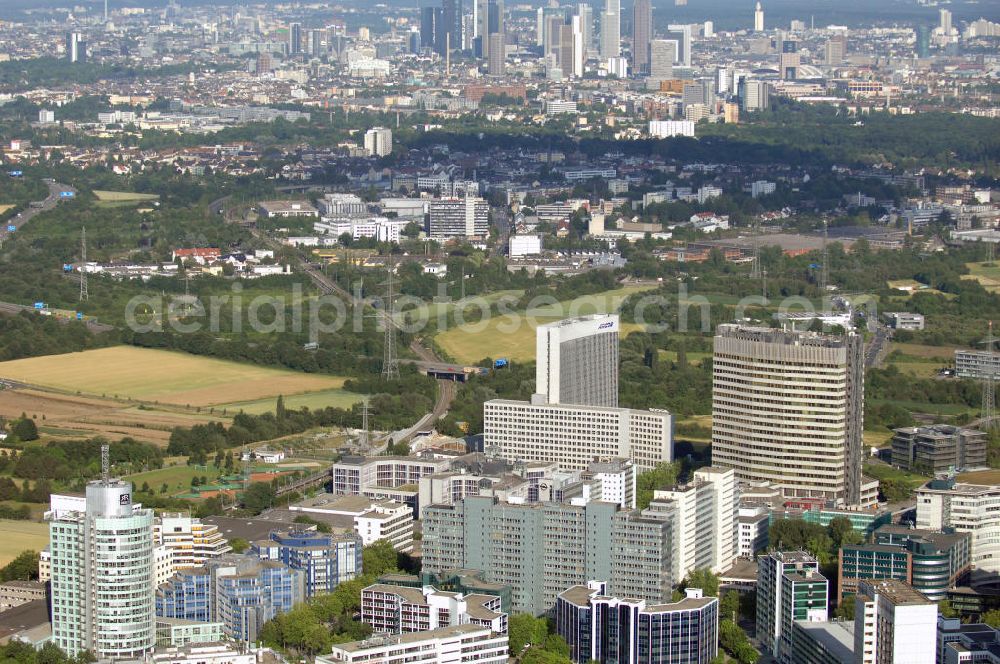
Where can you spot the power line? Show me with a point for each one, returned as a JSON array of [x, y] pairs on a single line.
[[390, 363], [84, 294]]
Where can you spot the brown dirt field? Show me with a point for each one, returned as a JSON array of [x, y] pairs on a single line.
[[80, 416]]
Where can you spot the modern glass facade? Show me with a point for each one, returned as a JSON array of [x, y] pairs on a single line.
[[102, 572], [326, 560]]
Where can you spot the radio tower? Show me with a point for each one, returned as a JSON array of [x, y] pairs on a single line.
[[824, 268], [364, 440], [755, 261], [83, 265], [989, 397], [390, 363], [106, 465]]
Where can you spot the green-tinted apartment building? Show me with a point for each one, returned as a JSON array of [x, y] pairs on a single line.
[[789, 588]]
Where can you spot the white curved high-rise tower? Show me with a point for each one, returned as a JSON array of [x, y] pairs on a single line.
[[758, 18], [102, 572]]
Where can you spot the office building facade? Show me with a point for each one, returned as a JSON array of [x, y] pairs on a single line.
[[326, 559], [459, 217], [101, 554], [787, 408], [575, 436], [894, 623], [966, 508], [394, 609], [378, 142], [539, 550], [642, 35], [704, 527], [460, 644], [577, 361], [789, 588], [611, 29], [939, 448], [608, 629]]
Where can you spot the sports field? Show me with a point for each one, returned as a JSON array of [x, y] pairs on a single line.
[[18, 536], [124, 196], [164, 377]]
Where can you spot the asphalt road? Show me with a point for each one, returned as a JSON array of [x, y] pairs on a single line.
[[19, 220]]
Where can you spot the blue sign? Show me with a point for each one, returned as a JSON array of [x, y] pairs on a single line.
[[67, 267], [16, 174], [67, 194], [79, 315], [11, 228], [39, 305], [813, 266], [502, 362]]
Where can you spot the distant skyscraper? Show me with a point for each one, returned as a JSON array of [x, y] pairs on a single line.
[[923, 44], [758, 18], [836, 49], [945, 22], [611, 29], [294, 38], [497, 55], [378, 142], [586, 14], [754, 95], [429, 19], [102, 573], [451, 17], [642, 34], [76, 47], [663, 54], [681, 33], [576, 361], [787, 409], [490, 21]]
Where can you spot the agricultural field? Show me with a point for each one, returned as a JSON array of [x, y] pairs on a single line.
[[73, 416], [18, 536], [162, 377], [124, 196], [513, 335], [919, 360]]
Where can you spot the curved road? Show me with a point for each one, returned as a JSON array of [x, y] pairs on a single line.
[[446, 388], [20, 219]]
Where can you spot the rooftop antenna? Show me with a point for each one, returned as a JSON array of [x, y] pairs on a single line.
[[247, 468], [106, 464], [84, 294], [447, 54], [390, 363]]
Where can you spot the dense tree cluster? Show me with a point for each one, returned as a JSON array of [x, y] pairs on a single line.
[[63, 460]]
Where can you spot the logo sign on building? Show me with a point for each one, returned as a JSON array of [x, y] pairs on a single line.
[[605, 326], [125, 499]]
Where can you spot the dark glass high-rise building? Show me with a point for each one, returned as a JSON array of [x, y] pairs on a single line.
[[451, 18], [429, 18], [294, 38], [642, 34]]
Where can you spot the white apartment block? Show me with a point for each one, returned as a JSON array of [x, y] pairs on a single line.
[[207, 653], [460, 644], [787, 408], [382, 229], [894, 623], [391, 609], [337, 204], [760, 188], [378, 142], [574, 436], [374, 520], [968, 508], [353, 476], [670, 128], [704, 528], [525, 245], [189, 541], [459, 217], [751, 535]]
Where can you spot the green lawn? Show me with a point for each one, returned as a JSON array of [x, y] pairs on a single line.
[[176, 478], [930, 408], [513, 335], [881, 471], [18, 536], [313, 400]]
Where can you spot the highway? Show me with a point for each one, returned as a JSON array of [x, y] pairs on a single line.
[[446, 388], [19, 220]]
